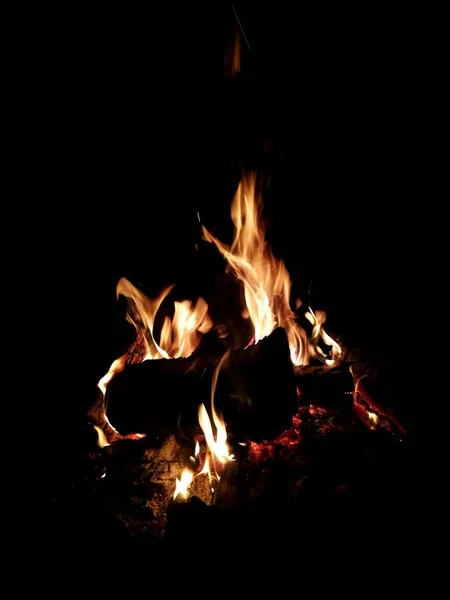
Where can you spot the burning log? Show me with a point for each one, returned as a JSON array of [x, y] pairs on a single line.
[[325, 386], [255, 392]]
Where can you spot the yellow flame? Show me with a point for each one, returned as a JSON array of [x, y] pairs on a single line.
[[206, 470], [179, 336], [266, 281], [218, 446], [102, 441], [373, 419], [117, 366], [317, 319], [182, 484]]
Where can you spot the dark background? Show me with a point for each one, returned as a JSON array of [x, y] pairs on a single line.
[[132, 127], [125, 126]]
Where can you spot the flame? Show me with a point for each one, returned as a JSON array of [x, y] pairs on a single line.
[[179, 336], [117, 366], [317, 319], [182, 484], [218, 446], [102, 441], [266, 281], [233, 55], [373, 419], [206, 470]]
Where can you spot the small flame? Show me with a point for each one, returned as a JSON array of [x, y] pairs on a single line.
[[206, 470], [182, 485], [233, 55], [218, 446], [102, 442], [317, 319], [117, 366], [266, 281], [373, 419]]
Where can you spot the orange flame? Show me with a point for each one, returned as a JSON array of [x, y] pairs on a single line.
[[182, 484], [179, 336], [233, 55], [266, 281], [217, 446]]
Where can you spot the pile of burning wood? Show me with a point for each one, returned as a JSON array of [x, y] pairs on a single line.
[[187, 424]]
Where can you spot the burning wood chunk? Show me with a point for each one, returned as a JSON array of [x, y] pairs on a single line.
[[261, 389], [325, 457], [255, 392], [141, 481], [149, 397], [325, 386]]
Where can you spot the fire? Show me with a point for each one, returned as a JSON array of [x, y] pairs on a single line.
[[102, 442], [218, 446], [218, 452], [182, 485], [180, 336], [117, 366], [267, 291], [373, 419], [317, 319], [266, 281]]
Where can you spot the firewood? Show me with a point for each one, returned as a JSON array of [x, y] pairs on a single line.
[[324, 386], [255, 392]]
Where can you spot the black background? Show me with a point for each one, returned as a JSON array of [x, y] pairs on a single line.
[[125, 126]]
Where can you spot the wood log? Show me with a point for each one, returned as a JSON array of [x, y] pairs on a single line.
[[255, 392], [324, 386]]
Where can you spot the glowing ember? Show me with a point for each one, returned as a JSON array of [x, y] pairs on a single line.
[[182, 485], [266, 281]]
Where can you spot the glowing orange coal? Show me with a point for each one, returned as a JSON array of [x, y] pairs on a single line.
[[266, 281]]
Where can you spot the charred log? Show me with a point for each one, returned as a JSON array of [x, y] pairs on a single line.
[[255, 392], [326, 387]]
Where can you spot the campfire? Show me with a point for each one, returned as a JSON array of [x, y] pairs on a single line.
[[233, 417]]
